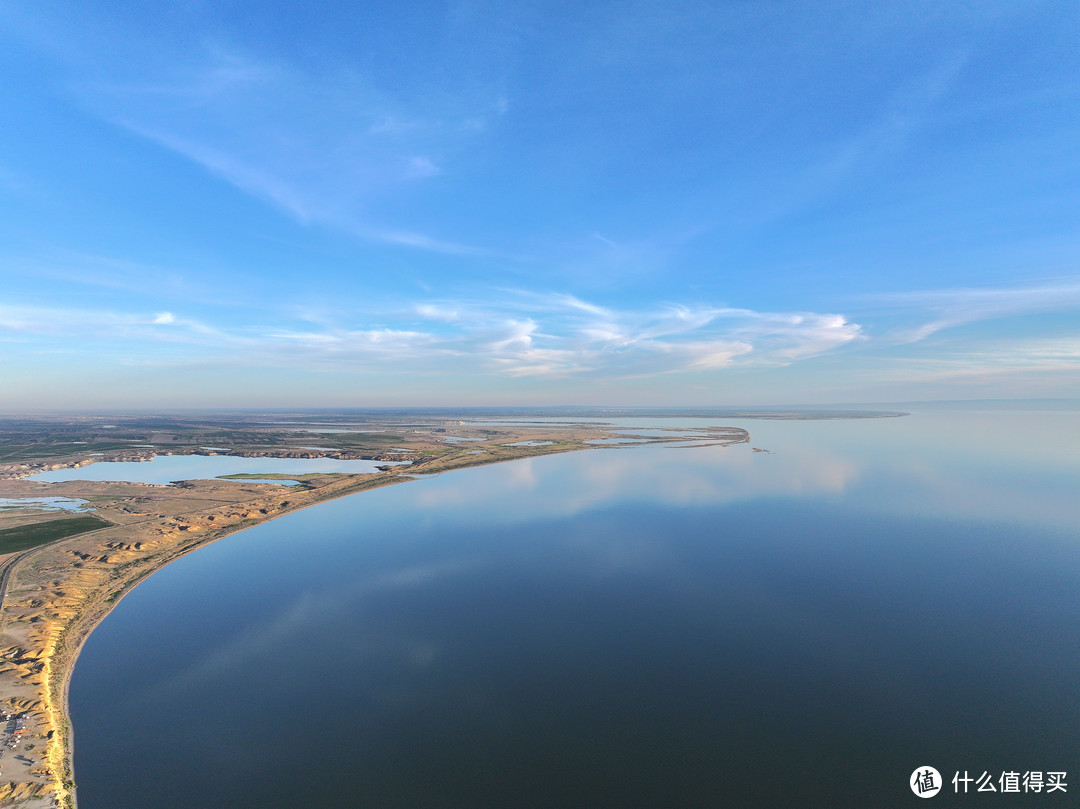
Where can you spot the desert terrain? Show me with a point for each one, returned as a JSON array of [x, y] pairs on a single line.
[[61, 572]]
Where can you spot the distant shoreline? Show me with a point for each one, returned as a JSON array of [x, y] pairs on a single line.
[[60, 592]]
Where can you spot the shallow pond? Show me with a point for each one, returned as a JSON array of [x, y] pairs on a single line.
[[167, 468], [44, 503]]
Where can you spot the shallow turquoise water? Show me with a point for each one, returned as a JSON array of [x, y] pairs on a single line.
[[167, 468]]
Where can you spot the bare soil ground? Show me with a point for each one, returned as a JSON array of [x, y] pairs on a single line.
[[52, 596]]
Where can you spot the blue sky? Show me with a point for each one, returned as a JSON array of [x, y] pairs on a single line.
[[208, 204]]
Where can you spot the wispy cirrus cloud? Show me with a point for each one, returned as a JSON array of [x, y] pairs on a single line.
[[419, 241], [320, 148], [949, 308], [72, 267], [994, 360], [93, 324], [1034, 371], [519, 335]]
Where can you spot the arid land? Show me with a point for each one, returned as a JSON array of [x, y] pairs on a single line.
[[55, 587]]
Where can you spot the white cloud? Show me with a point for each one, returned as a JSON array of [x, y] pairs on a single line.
[[321, 148], [432, 312], [530, 334], [518, 335], [420, 167], [246, 175], [87, 326], [707, 355], [958, 307], [995, 359], [419, 241]]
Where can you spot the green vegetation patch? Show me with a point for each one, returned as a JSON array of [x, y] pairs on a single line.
[[256, 476], [20, 538], [365, 439], [11, 452]]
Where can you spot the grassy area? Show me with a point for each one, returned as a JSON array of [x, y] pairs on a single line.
[[257, 476], [13, 540], [11, 452], [362, 439]]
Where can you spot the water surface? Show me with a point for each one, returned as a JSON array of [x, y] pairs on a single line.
[[167, 468], [44, 503], [627, 627]]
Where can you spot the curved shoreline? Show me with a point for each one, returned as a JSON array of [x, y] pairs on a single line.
[[54, 601], [84, 627], [60, 592]]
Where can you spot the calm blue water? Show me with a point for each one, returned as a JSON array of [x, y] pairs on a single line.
[[623, 627], [44, 503], [167, 468]]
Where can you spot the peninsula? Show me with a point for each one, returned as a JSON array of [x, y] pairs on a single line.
[[60, 574]]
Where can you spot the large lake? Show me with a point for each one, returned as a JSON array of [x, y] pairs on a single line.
[[620, 627]]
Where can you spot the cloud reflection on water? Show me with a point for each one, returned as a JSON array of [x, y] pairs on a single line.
[[661, 475], [983, 465]]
